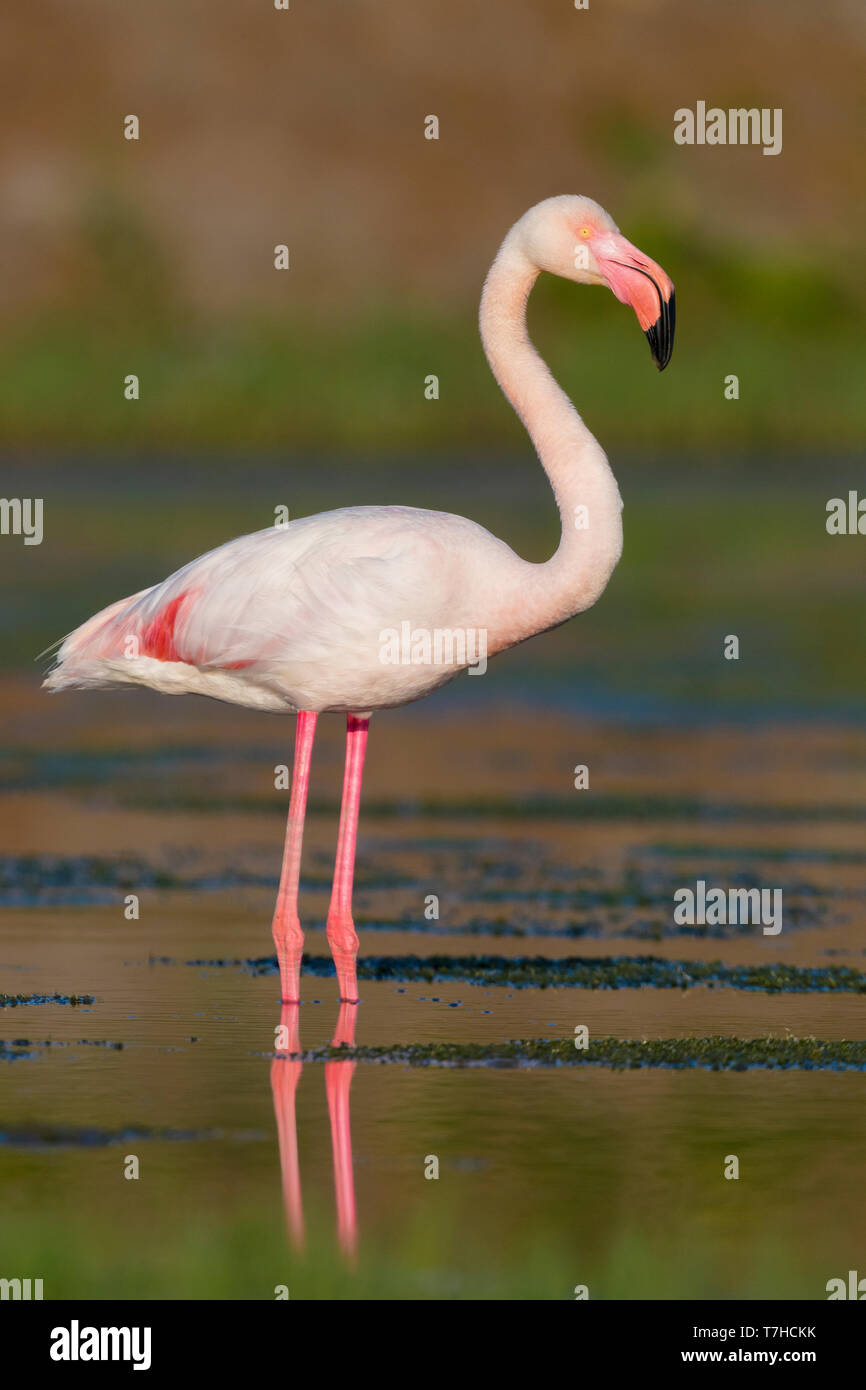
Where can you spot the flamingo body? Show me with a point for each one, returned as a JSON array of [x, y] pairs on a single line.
[[291, 618]]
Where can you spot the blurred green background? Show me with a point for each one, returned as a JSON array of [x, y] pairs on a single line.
[[306, 128]]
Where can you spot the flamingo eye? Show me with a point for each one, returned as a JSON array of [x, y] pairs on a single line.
[[584, 231]]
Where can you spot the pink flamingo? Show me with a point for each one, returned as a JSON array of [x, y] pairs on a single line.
[[303, 618]]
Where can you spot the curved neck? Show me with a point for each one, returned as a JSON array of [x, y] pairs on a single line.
[[583, 484]]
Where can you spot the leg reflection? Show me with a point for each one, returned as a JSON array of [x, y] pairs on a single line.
[[285, 1074], [286, 1071], [338, 1082]]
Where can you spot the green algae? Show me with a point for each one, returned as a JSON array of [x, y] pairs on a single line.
[[605, 972], [12, 1001], [714, 1053], [49, 1136], [26, 880], [13, 1049]]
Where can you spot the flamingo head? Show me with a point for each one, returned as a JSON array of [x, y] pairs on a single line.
[[575, 238]]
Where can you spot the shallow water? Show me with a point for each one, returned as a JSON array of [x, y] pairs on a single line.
[[258, 1168]]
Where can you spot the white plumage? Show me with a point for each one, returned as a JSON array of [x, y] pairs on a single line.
[[292, 618]]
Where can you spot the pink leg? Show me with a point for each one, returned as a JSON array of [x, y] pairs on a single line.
[[288, 937], [340, 927]]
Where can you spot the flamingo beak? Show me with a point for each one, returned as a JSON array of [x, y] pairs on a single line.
[[638, 281]]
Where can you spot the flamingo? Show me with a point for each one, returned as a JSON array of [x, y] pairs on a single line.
[[293, 619]]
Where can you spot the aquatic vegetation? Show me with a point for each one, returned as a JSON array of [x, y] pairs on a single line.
[[13, 1049], [11, 1001], [716, 1053], [605, 972], [29, 879]]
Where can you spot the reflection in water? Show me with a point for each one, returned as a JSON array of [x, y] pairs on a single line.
[[286, 1071], [338, 1082], [285, 1075]]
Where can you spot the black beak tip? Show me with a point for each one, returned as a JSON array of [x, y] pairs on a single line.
[[661, 336]]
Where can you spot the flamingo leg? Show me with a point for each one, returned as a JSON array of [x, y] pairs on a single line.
[[342, 937], [288, 936]]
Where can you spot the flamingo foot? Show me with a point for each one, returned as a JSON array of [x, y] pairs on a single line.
[[343, 941], [290, 984], [289, 941], [347, 979]]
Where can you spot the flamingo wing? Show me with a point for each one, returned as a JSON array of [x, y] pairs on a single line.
[[287, 616]]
